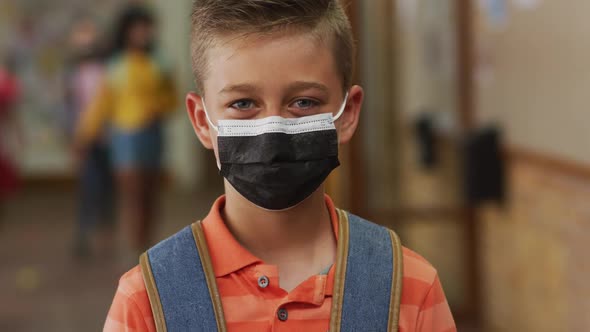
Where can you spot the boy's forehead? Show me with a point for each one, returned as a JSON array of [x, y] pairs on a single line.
[[270, 61]]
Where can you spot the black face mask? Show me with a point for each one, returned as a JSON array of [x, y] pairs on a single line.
[[275, 162]]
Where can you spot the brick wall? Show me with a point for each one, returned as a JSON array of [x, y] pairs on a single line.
[[536, 253], [535, 250]]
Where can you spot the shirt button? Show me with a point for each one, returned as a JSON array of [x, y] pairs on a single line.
[[263, 281], [282, 314]]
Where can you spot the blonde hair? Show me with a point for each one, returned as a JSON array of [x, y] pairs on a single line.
[[324, 19]]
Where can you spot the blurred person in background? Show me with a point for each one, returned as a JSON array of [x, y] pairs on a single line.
[[10, 133], [137, 94], [84, 77]]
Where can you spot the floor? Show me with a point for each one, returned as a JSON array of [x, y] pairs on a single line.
[[42, 286]]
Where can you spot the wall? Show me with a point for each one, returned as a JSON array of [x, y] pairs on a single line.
[[186, 159], [535, 260], [426, 37], [407, 66], [532, 78], [427, 83], [379, 122]]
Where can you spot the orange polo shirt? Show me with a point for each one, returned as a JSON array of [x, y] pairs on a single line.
[[253, 301]]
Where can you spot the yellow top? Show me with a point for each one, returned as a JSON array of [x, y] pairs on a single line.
[[136, 92]]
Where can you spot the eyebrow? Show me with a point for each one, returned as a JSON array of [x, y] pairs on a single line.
[[291, 88], [239, 88], [303, 85]]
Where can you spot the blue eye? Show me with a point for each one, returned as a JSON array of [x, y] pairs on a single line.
[[243, 104], [305, 103]]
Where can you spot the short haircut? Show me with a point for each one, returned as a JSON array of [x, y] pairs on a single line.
[[324, 19]]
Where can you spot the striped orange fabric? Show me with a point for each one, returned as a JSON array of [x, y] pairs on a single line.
[[250, 307]]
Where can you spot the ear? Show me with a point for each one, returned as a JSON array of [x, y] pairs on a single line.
[[349, 119], [196, 113]]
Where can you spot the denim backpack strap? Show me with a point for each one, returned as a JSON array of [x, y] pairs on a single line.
[[367, 284], [180, 283]]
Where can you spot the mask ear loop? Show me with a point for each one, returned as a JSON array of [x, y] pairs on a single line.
[[212, 126], [342, 108], [207, 116]]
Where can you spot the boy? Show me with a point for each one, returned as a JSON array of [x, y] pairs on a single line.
[[274, 102]]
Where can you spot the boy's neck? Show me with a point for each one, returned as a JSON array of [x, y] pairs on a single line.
[[301, 234]]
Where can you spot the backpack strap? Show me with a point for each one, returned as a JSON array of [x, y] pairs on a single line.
[[397, 282], [180, 283], [183, 294], [368, 280]]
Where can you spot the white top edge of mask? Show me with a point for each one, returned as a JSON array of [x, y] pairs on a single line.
[[276, 124]]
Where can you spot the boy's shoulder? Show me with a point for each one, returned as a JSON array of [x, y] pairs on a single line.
[[131, 283], [418, 268], [131, 309]]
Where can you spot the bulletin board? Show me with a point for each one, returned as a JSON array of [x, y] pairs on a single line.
[[33, 35]]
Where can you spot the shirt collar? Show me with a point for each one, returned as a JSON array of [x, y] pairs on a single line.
[[227, 254]]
